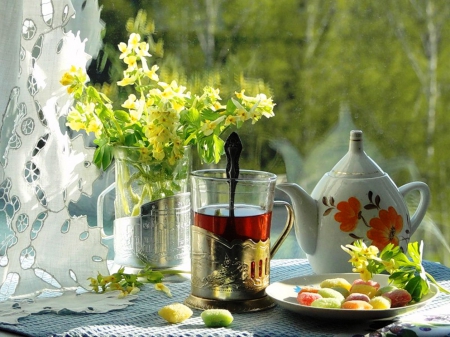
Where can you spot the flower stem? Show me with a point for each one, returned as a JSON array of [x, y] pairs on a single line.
[[442, 289]]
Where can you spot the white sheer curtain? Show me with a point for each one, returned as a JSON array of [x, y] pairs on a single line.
[[42, 169]]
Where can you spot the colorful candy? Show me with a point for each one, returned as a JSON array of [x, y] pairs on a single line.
[[385, 289], [363, 289], [343, 291], [356, 305], [372, 283], [331, 293], [216, 317], [398, 297], [330, 303], [359, 295], [335, 282], [306, 298], [380, 302], [175, 313]]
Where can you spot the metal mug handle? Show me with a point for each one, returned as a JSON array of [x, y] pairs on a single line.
[[100, 204], [287, 227]]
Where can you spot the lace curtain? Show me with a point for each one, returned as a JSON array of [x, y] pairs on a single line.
[[46, 242]]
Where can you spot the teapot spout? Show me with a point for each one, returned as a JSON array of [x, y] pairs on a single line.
[[306, 216]]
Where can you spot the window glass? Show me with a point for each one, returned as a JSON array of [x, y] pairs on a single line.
[[330, 66]]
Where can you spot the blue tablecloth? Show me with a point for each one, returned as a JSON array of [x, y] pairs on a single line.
[[141, 318]]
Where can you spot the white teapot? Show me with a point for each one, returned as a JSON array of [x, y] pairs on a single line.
[[355, 200]]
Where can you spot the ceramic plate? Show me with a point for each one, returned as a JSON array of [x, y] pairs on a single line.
[[284, 293]]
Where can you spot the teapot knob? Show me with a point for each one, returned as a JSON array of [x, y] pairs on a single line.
[[356, 163]]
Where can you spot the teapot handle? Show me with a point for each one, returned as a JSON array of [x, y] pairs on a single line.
[[424, 191]]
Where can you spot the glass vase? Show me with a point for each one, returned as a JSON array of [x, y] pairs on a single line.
[[139, 182], [152, 211]]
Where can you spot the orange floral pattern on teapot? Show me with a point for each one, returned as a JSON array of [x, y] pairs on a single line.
[[382, 230]]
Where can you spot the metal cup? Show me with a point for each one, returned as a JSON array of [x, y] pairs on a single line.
[[159, 237], [230, 249]]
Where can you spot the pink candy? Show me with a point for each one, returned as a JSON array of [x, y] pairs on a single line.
[[398, 297], [358, 297], [306, 298]]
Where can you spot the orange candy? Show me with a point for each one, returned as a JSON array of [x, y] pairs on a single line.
[[356, 305]]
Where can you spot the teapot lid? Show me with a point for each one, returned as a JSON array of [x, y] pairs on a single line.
[[356, 163]]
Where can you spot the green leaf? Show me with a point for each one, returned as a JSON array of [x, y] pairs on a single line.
[[122, 116], [209, 115], [155, 277], [231, 107], [107, 156], [415, 251], [417, 287], [218, 148], [192, 116]]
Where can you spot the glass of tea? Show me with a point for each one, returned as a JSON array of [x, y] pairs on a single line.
[[230, 239]]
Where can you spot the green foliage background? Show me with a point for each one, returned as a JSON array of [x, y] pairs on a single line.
[[387, 60]]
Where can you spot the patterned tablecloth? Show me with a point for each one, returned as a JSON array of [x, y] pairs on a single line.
[[141, 318]]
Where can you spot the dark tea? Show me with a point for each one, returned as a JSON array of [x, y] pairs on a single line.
[[249, 222]]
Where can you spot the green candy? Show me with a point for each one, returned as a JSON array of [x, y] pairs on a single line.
[[216, 317], [331, 303], [331, 293]]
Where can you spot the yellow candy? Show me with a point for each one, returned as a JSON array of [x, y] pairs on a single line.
[[336, 282], [363, 289], [175, 313], [380, 302]]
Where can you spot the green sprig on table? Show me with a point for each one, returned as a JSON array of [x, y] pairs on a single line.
[[128, 283]]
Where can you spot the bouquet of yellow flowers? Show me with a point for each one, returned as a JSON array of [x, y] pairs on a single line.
[[155, 126], [160, 119]]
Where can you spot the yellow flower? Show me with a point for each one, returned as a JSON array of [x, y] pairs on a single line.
[[177, 106], [230, 120], [365, 274], [151, 73], [162, 287], [123, 48], [127, 80], [130, 103], [134, 290], [371, 252], [390, 265], [73, 79], [240, 95], [95, 126], [217, 106], [133, 42], [131, 60], [208, 127], [135, 115], [67, 79], [142, 50], [242, 114], [158, 152], [75, 125]]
